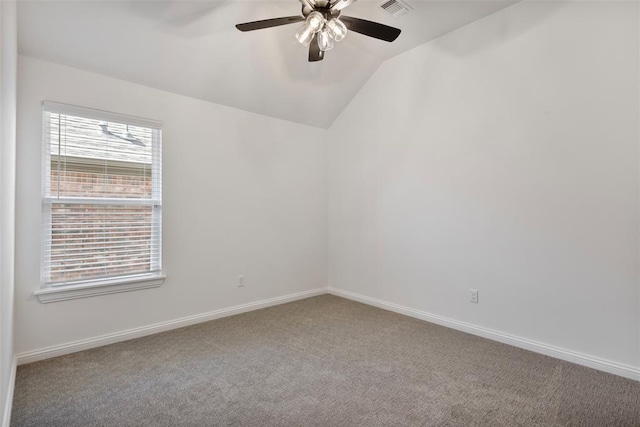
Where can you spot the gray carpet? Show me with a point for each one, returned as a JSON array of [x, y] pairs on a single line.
[[323, 361]]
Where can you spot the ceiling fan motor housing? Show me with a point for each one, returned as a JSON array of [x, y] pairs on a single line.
[[324, 10]]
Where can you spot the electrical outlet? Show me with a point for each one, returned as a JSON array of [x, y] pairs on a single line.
[[473, 295], [241, 281]]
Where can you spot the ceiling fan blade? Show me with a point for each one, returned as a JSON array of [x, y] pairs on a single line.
[[371, 29], [340, 4], [315, 54], [268, 23]]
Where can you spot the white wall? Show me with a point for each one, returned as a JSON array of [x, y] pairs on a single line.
[[8, 65], [501, 157], [242, 194]]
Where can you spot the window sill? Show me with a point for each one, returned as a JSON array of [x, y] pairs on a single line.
[[101, 287]]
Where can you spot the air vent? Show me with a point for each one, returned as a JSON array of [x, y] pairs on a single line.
[[396, 7]]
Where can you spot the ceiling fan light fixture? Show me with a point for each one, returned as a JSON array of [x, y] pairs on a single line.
[[336, 28], [325, 42], [315, 21], [305, 35]]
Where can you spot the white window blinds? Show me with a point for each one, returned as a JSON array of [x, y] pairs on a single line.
[[102, 195]]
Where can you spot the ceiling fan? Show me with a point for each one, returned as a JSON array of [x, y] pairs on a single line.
[[323, 25]]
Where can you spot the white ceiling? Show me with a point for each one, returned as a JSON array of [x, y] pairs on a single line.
[[192, 48]]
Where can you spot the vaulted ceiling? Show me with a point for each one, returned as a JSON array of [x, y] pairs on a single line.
[[192, 48]]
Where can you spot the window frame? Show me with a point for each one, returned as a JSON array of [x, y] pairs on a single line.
[[52, 292]]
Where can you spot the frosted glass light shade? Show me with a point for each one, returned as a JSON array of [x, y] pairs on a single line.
[[305, 35], [315, 21], [337, 29], [325, 42]]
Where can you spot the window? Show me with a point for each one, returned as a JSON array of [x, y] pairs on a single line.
[[102, 202]]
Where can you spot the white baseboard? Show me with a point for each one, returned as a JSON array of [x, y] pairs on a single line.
[[75, 346], [6, 419], [546, 349]]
